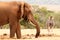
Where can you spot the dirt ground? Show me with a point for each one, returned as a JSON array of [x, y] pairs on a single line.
[[29, 34]]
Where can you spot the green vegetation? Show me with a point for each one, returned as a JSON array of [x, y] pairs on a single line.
[[41, 15]]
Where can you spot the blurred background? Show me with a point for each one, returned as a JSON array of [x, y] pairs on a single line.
[[42, 9]]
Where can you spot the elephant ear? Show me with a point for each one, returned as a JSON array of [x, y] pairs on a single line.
[[21, 10], [27, 10]]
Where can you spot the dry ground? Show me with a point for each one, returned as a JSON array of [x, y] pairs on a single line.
[[28, 34]]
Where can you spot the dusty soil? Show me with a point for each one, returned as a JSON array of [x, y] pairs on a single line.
[[29, 34]]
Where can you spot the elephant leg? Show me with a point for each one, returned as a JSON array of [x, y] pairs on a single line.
[[13, 25], [31, 18], [12, 31], [18, 31]]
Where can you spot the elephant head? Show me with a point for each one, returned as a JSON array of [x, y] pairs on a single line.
[[27, 15]]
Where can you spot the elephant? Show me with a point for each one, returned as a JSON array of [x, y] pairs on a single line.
[[12, 12]]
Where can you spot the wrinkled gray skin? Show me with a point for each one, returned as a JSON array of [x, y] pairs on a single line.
[[12, 12]]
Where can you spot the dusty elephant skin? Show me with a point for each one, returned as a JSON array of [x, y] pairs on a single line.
[[11, 13]]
